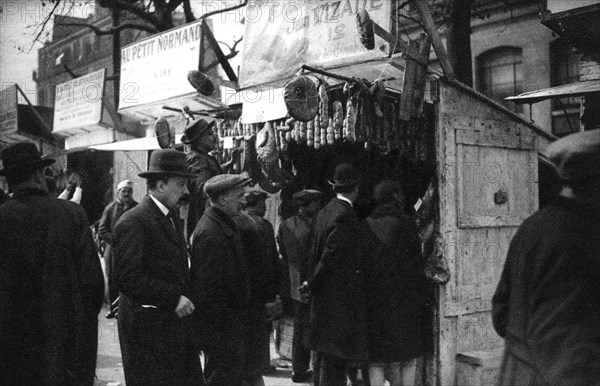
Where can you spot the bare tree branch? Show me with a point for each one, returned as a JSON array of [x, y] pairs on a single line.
[[172, 5], [141, 12], [44, 23], [187, 10], [110, 31], [232, 53]]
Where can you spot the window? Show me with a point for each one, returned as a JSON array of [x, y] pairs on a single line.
[[564, 68], [500, 74]]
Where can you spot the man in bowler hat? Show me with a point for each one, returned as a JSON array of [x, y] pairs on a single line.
[[293, 238], [547, 303], [220, 282], [337, 326], [51, 281], [199, 137], [152, 275]]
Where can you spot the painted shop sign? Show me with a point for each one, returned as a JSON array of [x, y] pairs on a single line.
[[8, 111], [78, 103], [282, 35], [156, 68]]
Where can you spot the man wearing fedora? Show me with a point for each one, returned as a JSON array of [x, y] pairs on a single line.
[[293, 238], [221, 287], [547, 303], [199, 137], [51, 281], [337, 324], [152, 275], [112, 213]]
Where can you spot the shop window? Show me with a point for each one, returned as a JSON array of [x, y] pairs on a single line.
[[500, 75], [564, 68]]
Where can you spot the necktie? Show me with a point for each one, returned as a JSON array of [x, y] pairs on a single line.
[[174, 220]]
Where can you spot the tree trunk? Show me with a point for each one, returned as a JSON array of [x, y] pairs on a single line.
[[459, 41]]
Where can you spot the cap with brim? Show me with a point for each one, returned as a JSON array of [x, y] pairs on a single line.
[[22, 156], [222, 183], [576, 157], [167, 162], [196, 129]]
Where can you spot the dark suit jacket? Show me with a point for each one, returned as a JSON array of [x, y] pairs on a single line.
[[152, 271], [337, 320], [51, 290], [547, 304]]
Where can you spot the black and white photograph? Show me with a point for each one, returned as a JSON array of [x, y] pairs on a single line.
[[300, 192]]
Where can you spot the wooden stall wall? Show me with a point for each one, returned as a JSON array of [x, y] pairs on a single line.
[[487, 173]]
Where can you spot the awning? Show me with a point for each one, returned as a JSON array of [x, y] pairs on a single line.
[[138, 144], [565, 90]]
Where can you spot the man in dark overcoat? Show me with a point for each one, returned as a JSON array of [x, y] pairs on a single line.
[[262, 260], [337, 319], [220, 282], [547, 303], [112, 213], [395, 288], [51, 283], [152, 272], [200, 141], [294, 240]]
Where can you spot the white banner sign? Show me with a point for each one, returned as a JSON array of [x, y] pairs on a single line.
[[8, 111], [282, 35], [156, 68], [78, 102]]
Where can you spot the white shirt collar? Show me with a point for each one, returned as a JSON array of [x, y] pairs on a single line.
[[339, 196], [160, 205]]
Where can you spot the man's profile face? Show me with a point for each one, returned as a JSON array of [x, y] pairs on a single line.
[[173, 190], [206, 143], [232, 201]]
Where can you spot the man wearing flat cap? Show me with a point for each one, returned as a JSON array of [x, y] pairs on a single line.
[[51, 282], [262, 261], [200, 140], [106, 226], [294, 240], [220, 283], [337, 327], [547, 303], [152, 274]]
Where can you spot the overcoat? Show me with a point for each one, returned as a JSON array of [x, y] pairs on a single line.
[[395, 285], [221, 294], [294, 240], [260, 253], [51, 291], [547, 303], [337, 317], [152, 273]]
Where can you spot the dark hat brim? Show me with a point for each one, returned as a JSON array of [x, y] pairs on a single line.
[[166, 174], [187, 141], [33, 165]]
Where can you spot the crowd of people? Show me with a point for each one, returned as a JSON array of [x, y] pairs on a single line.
[[355, 287]]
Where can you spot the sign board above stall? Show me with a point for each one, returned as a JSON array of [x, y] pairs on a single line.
[[156, 68], [8, 111], [78, 104], [280, 36]]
